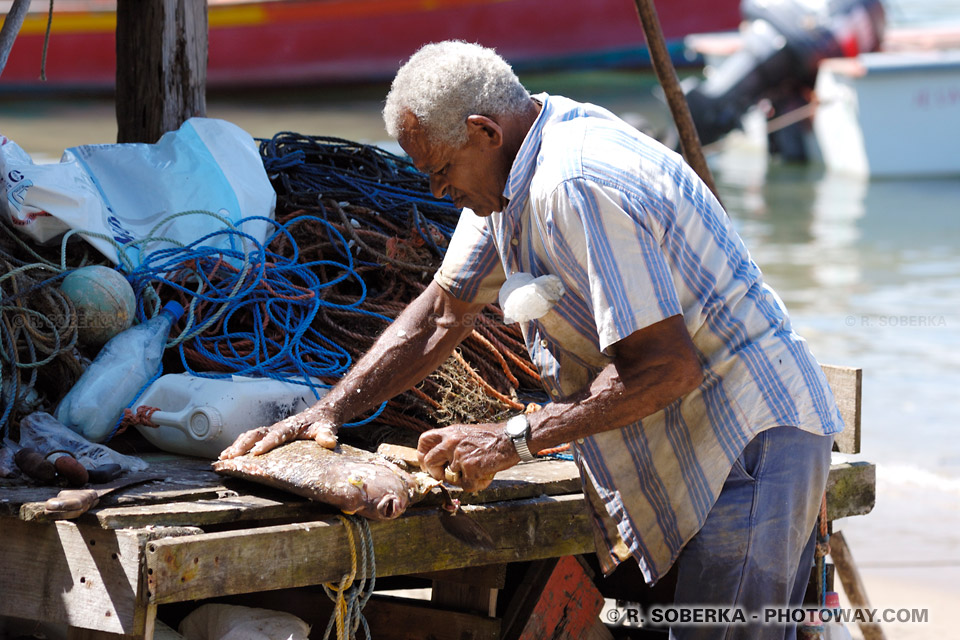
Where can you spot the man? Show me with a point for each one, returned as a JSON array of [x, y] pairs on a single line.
[[699, 420]]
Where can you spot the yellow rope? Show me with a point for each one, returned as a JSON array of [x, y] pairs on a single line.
[[340, 604]]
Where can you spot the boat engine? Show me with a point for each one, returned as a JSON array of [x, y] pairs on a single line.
[[783, 41]]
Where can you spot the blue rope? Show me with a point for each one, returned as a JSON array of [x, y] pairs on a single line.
[[268, 291], [313, 167]]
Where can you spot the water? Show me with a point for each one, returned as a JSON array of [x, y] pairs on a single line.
[[870, 271]]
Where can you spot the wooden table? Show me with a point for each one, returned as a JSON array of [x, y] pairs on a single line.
[[194, 535]]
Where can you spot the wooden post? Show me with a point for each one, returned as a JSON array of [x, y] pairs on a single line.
[[11, 27], [852, 583], [161, 66], [667, 75]]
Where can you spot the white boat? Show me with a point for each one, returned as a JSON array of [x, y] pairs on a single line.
[[890, 114]]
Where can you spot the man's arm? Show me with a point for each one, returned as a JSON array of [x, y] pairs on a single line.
[[652, 368], [411, 348]]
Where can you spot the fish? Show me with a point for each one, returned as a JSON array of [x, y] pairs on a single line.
[[353, 480]]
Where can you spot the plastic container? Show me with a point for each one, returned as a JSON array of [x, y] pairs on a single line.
[[203, 416], [810, 631], [111, 382], [833, 629]]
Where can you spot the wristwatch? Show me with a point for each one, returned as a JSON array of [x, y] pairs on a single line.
[[518, 429]]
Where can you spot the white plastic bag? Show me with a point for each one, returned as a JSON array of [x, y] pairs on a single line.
[[231, 622], [524, 298], [125, 190]]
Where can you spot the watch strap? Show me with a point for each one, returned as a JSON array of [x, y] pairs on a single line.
[[520, 443], [520, 439]]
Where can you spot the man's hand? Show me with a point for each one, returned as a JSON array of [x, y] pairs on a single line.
[[474, 452], [313, 423]]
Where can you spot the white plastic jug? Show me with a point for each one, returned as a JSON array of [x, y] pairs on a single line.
[[203, 416]]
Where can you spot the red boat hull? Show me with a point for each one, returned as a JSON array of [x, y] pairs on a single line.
[[316, 41]]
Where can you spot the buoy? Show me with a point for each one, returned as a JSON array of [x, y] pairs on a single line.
[[104, 300]]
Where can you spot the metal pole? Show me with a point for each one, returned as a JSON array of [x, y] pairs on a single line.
[[11, 27], [667, 75]]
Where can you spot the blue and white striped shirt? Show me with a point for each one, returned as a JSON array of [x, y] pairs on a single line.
[[636, 237]]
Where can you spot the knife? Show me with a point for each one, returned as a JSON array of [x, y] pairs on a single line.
[[453, 518]]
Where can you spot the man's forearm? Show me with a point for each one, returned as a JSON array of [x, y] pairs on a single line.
[[411, 348], [629, 389], [607, 404]]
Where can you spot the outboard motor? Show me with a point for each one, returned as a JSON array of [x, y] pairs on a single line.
[[783, 43]]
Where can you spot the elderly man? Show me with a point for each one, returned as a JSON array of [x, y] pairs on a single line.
[[699, 420]]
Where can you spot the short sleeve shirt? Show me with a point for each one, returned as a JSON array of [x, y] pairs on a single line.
[[636, 237]]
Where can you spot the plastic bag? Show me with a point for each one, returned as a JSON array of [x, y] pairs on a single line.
[[524, 298], [125, 190], [231, 622], [43, 432]]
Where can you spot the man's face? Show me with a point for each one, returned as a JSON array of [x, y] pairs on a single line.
[[473, 175]]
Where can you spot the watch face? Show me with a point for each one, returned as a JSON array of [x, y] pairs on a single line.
[[516, 426]]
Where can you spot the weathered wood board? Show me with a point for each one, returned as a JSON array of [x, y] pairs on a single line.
[[851, 489], [77, 574], [306, 553], [846, 384], [408, 620]]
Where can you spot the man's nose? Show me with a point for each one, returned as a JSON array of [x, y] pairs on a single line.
[[438, 185]]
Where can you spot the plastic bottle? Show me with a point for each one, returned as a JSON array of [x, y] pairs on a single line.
[[810, 631], [834, 629], [201, 416], [111, 382]]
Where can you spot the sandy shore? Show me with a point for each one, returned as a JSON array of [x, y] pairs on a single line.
[[908, 554]]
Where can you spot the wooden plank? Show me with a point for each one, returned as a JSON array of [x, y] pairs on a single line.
[[161, 66], [79, 575], [400, 619], [568, 605], [852, 583], [467, 598], [544, 477], [524, 597], [846, 384], [851, 489], [492, 576], [206, 512], [180, 478], [293, 555]]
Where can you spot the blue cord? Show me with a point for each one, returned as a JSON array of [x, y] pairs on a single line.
[[263, 310]]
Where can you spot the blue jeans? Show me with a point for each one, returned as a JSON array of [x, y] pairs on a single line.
[[756, 547]]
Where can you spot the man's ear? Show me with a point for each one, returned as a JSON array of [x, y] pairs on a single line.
[[483, 129]]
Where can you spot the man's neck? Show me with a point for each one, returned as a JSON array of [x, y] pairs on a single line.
[[517, 129]]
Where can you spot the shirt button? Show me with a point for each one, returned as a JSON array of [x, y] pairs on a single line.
[[579, 440], [514, 241], [555, 393], [543, 343]]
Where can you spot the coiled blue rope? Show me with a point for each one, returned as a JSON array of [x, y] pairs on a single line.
[[268, 303]]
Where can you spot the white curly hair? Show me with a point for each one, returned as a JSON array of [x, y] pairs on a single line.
[[445, 82]]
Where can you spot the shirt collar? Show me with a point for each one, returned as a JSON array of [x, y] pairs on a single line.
[[521, 173]]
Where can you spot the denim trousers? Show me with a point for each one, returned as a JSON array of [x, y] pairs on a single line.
[[756, 547]]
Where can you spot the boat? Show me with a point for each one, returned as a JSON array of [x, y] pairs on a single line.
[[857, 96], [297, 42], [890, 114]]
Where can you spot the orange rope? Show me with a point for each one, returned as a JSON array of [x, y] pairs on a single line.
[[510, 402], [142, 416]]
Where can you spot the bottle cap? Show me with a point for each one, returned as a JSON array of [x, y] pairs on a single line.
[[174, 308], [833, 600]]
